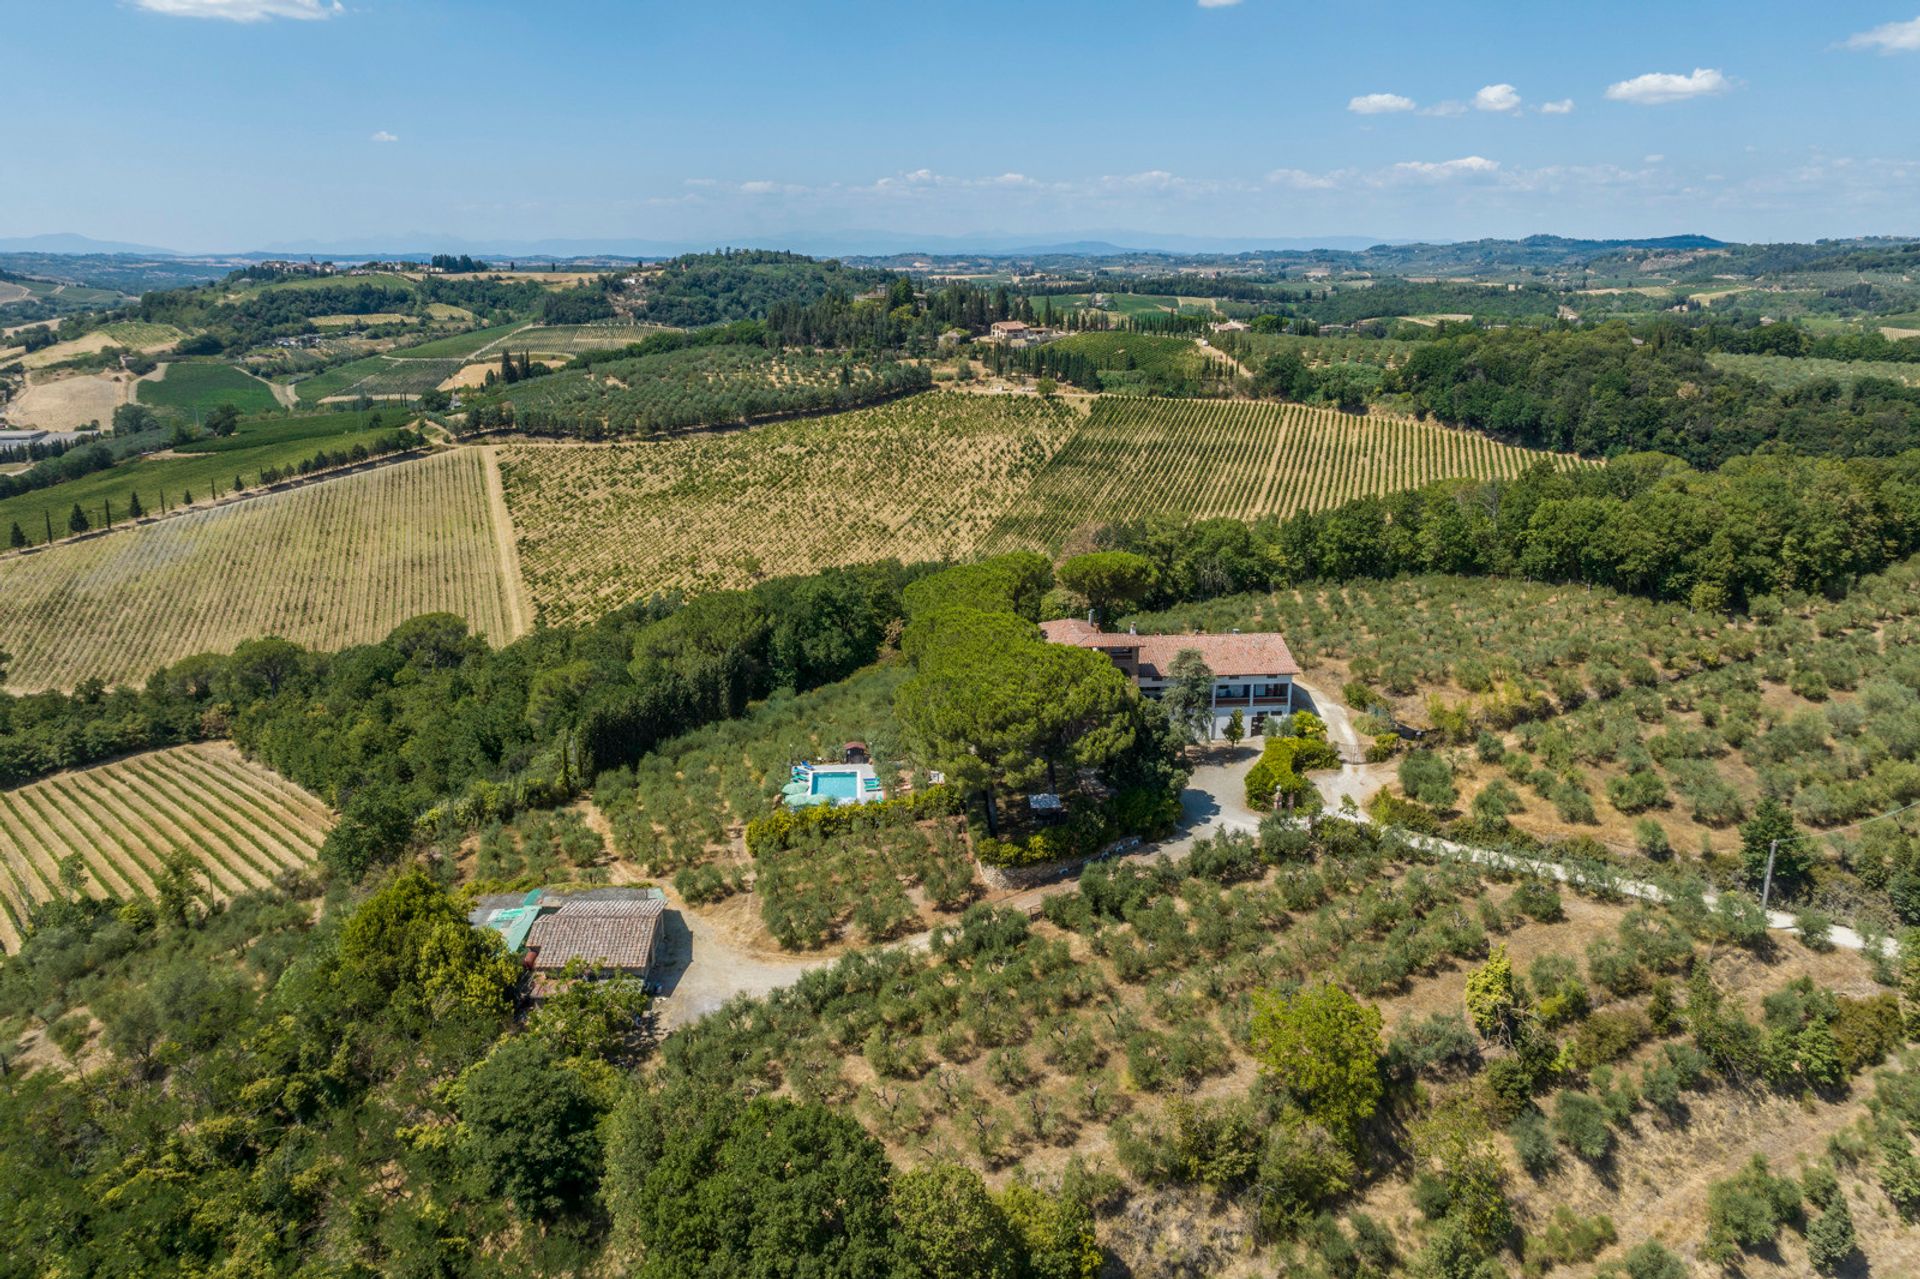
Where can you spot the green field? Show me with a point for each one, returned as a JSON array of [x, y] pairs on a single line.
[[194, 390], [1786, 371], [379, 376], [571, 339], [459, 346], [199, 468]]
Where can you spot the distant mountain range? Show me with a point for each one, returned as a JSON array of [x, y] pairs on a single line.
[[66, 242]]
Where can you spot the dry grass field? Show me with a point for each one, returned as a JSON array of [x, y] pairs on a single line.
[[335, 563], [922, 478], [70, 403], [113, 826]]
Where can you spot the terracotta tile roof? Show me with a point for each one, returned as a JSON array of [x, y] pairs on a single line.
[[610, 934], [1229, 656]]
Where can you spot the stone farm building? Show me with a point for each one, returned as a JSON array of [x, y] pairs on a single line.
[[612, 931], [1252, 673]]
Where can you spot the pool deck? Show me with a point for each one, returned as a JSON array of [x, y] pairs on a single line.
[[866, 790]]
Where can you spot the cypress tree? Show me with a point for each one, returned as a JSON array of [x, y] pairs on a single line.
[[1831, 1239], [77, 520], [18, 537], [49, 515], [134, 509]]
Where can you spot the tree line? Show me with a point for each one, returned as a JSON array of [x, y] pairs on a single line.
[[1648, 525], [1605, 391]]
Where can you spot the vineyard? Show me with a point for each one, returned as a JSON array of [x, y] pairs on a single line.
[[700, 386], [378, 376], [336, 563], [459, 345], [1199, 459], [204, 468], [921, 478], [109, 831], [196, 389]]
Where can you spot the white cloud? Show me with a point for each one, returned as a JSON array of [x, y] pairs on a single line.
[[1445, 109], [1442, 170], [243, 10], [1303, 180], [1655, 158], [1889, 37], [381, 135], [1379, 104], [1657, 87], [1497, 97], [1218, 4], [1563, 107]]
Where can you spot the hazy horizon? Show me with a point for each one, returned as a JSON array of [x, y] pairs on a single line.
[[238, 125]]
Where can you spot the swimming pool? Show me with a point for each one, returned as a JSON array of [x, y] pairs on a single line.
[[836, 784]]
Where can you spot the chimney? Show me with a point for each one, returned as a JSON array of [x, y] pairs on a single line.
[[1090, 621], [1132, 629]]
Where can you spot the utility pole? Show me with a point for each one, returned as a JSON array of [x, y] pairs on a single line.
[[1766, 885]]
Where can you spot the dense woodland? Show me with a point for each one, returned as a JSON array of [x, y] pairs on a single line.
[[746, 284], [1606, 391]]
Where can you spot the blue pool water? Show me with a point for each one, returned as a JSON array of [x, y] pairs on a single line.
[[837, 785]]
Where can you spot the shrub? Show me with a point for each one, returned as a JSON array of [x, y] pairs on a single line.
[[1427, 777], [1650, 837], [1559, 996], [1568, 1240], [1608, 1036], [1900, 1174], [1276, 775], [1302, 1166], [1540, 899], [1434, 1045], [1865, 1031], [1580, 1122], [1746, 1211], [699, 885], [1637, 791], [1532, 1143], [1571, 801], [1649, 1260], [1509, 1084], [1816, 929]]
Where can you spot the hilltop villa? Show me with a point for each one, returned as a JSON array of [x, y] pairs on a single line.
[[1252, 674]]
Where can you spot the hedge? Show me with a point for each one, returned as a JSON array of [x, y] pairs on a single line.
[[1278, 772], [783, 827]]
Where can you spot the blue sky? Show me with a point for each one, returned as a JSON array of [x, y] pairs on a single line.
[[236, 124]]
